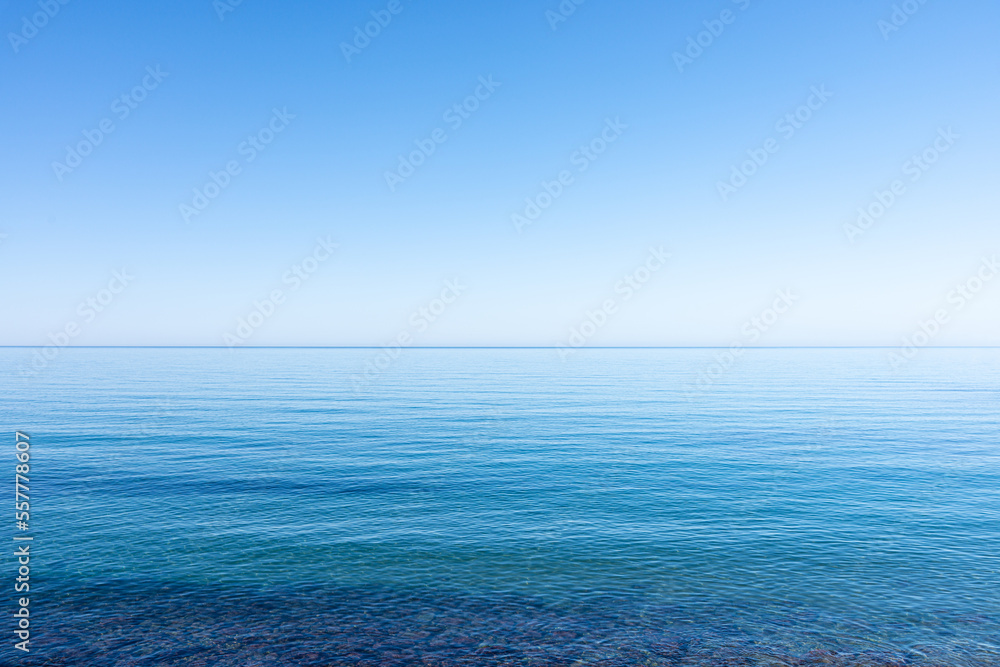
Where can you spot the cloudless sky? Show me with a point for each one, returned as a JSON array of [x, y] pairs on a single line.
[[557, 85]]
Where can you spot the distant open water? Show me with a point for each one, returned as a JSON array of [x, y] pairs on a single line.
[[486, 507]]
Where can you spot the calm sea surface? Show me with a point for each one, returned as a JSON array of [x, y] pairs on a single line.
[[486, 507]]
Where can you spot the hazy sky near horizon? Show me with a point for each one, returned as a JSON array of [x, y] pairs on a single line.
[[499, 173]]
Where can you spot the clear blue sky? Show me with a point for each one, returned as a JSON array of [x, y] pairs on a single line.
[[672, 128]]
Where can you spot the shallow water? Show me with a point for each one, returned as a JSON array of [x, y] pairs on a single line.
[[208, 507]]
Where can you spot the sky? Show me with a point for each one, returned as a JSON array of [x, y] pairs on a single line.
[[524, 172]]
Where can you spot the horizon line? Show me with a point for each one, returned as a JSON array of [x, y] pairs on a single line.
[[503, 347]]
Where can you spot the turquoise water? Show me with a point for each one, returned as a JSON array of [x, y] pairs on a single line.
[[208, 507]]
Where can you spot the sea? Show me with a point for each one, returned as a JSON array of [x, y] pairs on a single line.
[[609, 507]]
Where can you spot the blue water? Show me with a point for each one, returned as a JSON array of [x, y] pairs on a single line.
[[481, 507]]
